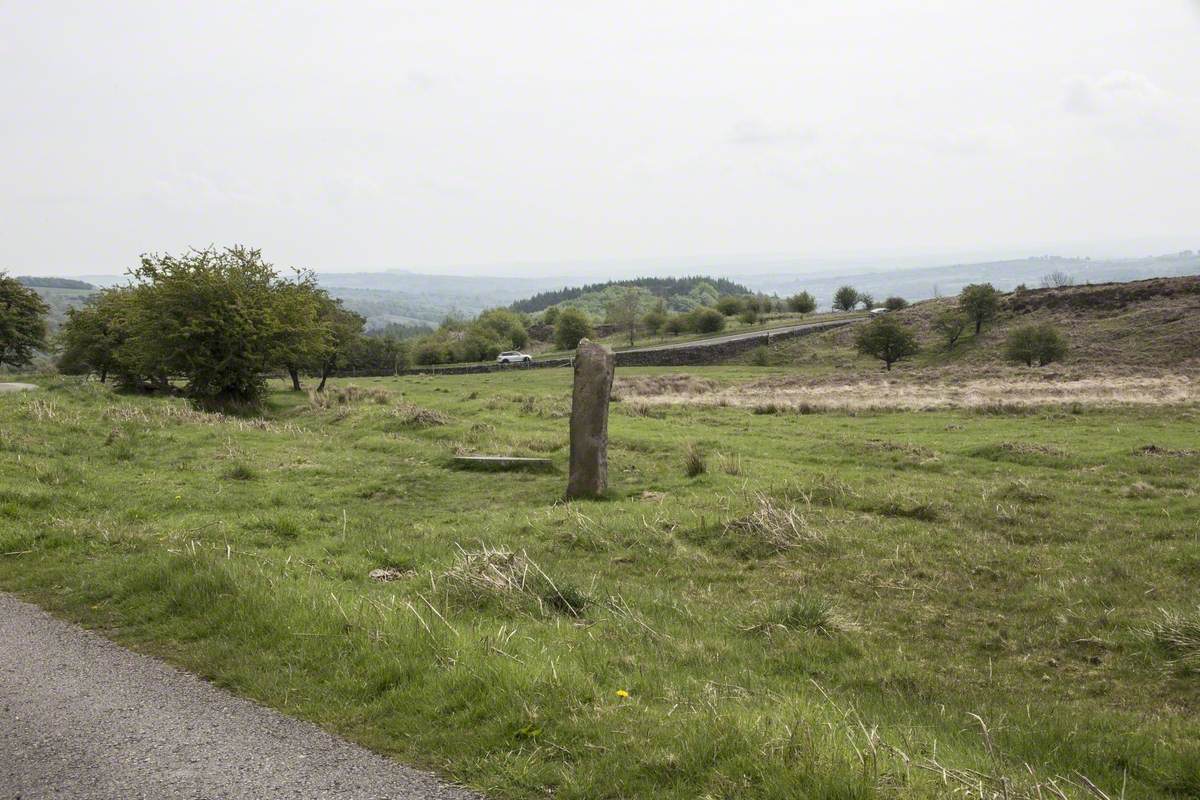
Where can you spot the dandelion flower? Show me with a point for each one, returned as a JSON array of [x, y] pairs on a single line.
[[622, 693]]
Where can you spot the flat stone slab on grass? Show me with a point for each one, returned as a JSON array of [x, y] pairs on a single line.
[[16, 387], [503, 463]]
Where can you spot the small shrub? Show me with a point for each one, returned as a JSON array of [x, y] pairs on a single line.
[[707, 320], [895, 303], [760, 356], [571, 326], [802, 303], [1040, 344], [693, 461]]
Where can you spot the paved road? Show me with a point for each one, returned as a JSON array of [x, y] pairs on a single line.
[[16, 387], [81, 717], [737, 337]]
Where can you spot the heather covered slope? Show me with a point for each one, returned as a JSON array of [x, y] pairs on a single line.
[[1141, 326]]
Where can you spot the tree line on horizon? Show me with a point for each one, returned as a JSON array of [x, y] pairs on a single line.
[[665, 288], [220, 321]]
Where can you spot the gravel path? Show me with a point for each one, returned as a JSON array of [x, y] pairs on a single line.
[[81, 717]]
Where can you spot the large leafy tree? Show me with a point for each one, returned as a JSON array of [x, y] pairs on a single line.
[[303, 331], [802, 303], [22, 322], [211, 318], [624, 309], [979, 301], [886, 339], [845, 298], [219, 319], [950, 324], [507, 326], [572, 326], [91, 338], [344, 328]]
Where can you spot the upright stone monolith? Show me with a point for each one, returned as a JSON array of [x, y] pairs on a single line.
[[589, 421]]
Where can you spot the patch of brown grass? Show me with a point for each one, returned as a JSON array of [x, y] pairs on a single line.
[[1009, 394], [773, 528], [409, 415], [673, 385]]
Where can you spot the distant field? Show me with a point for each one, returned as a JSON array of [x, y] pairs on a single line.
[[995, 602]]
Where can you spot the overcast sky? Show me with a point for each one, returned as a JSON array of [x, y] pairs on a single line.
[[348, 136]]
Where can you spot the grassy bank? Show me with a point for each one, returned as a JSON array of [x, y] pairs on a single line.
[[893, 605]]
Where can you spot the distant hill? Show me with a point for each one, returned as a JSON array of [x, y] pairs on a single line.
[[35, 282], [410, 298], [672, 290], [60, 294], [928, 282]]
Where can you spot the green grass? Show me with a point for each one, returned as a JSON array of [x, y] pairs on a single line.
[[861, 602]]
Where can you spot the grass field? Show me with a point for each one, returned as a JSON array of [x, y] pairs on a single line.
[[993, 602]]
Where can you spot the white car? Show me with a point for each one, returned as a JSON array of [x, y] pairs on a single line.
[[878, 312], [513, 357]]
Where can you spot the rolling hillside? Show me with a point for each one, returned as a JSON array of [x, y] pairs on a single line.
[[680, 294], [1140, 326], [947, 280]]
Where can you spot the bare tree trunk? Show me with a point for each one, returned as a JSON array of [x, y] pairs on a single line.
[[325, 370], [295, 373]]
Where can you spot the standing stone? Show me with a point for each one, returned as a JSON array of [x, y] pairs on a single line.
[[589, 421]]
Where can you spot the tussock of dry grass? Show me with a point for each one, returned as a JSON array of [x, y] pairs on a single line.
[[186, 415], [773, 528], [413, 416], [675, 385], [731, 464], [636, 408], [1140, 490], [775, 395], [346, 395], [1179, 634], [508, 579]]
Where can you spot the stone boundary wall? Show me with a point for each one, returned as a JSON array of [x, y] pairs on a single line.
[[475, 369], [696, 354], [700, 353]]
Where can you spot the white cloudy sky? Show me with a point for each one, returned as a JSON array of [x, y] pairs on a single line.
[[418, 135]]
